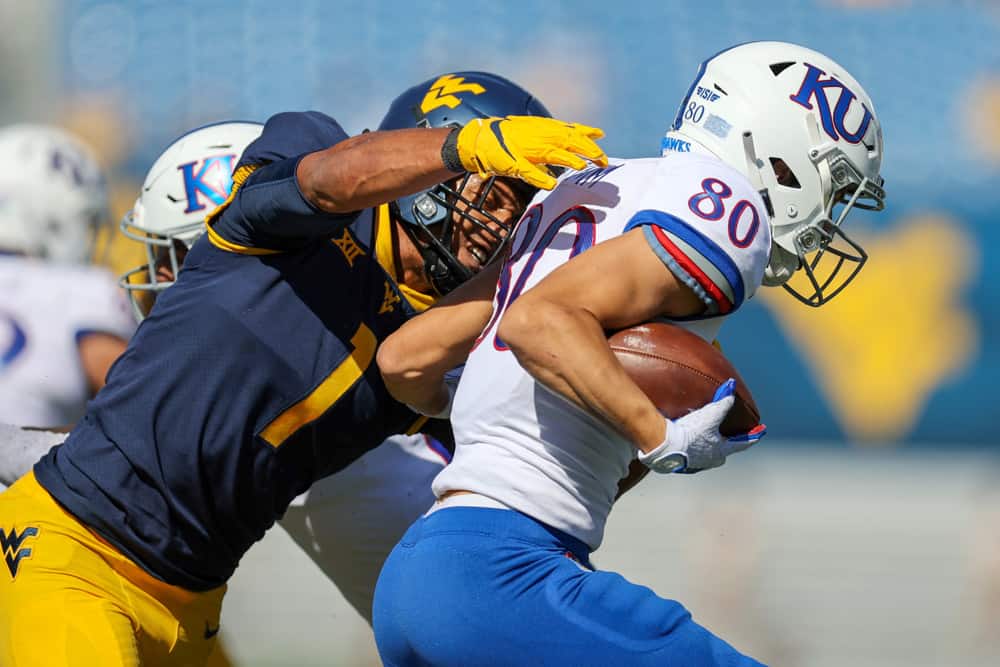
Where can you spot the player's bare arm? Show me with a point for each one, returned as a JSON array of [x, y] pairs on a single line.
[[413, 361], [373, 168], [557, 329], [98, 351], [377, 167]]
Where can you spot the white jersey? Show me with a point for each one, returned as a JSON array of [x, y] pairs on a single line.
[[44, 309], [529, 449], [348, 523]]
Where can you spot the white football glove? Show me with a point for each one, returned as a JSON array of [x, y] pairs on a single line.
[[693, 442]]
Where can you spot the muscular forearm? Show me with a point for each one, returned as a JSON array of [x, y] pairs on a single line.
[[373, 168], [565, 349], [414, 359]]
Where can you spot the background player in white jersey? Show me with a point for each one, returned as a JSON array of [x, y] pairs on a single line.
[[62, 321], [546, 420]]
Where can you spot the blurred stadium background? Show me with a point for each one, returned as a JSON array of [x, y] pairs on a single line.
[[866, 530]]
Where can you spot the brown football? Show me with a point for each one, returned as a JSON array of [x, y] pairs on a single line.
[[680, 372]]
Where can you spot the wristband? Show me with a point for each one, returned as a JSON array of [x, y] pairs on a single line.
[[662, 461], [449, 152]]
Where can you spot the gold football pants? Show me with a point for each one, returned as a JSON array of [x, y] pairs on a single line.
[[67, 597]]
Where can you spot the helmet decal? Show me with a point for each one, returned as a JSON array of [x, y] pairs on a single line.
[[192, 176], [814, 87], [443, 92], [213, 179]]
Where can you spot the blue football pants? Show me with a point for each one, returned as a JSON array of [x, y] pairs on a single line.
[[485, 587]]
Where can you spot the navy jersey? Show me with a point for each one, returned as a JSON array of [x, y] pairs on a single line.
[[252, 377]]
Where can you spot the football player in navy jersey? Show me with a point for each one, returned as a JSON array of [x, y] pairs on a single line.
[[251, 378], [348, 522]]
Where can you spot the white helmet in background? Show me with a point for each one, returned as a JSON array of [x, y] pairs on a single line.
[[187, 182], [805, 133], [53, 195]]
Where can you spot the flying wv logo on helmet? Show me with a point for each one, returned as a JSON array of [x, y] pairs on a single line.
[[814, 87], [443, 92], [212, 180]]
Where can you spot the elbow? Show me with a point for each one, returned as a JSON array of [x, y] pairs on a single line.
[[393, 362], [322, 184], [536, 328], [523, 324]]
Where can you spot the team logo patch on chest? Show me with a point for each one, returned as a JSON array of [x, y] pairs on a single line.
[[389, 301], [348, 246], [14, 549]]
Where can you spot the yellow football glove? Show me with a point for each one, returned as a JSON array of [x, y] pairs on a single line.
[[520, 146]]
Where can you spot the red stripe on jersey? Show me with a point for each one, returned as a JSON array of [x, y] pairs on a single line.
[[685, 262]]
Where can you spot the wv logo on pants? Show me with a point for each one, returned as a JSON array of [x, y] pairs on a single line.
[[12, 550]]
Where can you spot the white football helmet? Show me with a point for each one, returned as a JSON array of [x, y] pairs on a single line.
[[805, 133], [53, 195], [187, 182]]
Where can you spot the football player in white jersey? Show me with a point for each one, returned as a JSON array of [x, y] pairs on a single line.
[[770, 139], [62, 321]]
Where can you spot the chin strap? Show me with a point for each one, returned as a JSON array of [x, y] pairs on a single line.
[[441, 274]]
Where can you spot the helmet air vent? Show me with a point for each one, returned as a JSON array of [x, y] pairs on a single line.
[[778, 68]]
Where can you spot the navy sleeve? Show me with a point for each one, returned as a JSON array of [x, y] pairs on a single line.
[[268, 211], [290, 134]]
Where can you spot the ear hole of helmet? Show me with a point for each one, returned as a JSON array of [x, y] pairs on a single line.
[[784, 174]]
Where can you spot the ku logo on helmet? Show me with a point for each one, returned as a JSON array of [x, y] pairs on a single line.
[[443, 92], [813, 86], [213, 180]]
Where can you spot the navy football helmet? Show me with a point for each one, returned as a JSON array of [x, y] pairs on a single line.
[[452, 100]]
